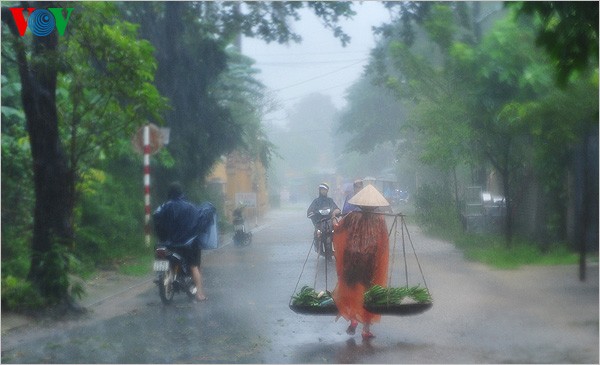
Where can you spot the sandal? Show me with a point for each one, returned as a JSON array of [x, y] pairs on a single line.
[[367, 335], [352, 327]]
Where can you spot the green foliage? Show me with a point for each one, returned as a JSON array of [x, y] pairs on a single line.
[[15, 250], [568, 31], [19, 294], [17, 203], [404, 14], [105, 91], [17, 196], [11, 91], [17, 199], [556, 128], [239, 91], [55, 265], [434, 208], [440, 25], [442, 142], [477, 97], [270, 21], [507, 68], [110, 216]]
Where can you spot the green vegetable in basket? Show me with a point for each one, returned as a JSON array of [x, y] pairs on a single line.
[[421, 295], [380, 296], [307, 296]]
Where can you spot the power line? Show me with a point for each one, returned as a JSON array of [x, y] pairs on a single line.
[[304, 53], [317, 91], [320, 76], [300, 63]]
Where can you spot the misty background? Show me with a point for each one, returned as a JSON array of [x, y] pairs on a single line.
[[309, 83]]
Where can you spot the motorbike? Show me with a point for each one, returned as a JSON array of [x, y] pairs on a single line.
[[399, 197], [323, 236], [173, 274], [240, 236]]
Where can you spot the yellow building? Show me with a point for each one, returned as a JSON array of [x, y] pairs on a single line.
[[242, 180]]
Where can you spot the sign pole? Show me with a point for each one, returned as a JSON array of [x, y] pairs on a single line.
[[147, 182], [147, 140]]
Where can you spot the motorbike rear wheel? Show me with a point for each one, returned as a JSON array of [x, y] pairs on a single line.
[[247, 239], [166, 290], [242, 238]]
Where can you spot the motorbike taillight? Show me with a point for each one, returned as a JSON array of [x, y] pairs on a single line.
[[161, 253]]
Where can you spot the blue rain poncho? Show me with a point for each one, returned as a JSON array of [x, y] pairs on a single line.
[[179, 222]]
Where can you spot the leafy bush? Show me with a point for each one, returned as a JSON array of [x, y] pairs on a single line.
[[17, 206], [435, 210], [110, 220], [58, 263], [15, 252], [19, 294]]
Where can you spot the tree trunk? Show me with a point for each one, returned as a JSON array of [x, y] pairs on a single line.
[[509, 214], [504, 169], [53, 205]]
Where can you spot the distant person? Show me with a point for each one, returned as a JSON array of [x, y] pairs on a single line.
[[177, 221], [357, 186], [323, 202], [360, 240]]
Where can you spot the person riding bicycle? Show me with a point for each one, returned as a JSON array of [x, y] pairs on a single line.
[[177, 221], [322, 202]]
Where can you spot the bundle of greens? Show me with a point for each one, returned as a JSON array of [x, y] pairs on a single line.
[[307, 296], [380, 296]]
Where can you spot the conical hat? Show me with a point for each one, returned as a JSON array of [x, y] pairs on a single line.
[[369, 196]]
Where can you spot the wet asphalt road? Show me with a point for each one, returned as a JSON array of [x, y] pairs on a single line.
[[531, 315]]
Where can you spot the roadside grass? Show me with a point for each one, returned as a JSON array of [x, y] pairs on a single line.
[[137, 266], [493, 251]]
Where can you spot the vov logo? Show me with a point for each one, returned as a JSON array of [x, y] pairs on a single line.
[[41, 22]]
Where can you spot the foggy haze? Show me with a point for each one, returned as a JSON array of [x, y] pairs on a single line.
[[300, 76], [319, 64]]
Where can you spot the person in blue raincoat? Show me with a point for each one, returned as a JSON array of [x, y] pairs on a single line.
[[178, 221], [347, 208]]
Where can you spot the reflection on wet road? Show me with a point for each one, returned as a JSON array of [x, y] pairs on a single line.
[[479, 315]]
